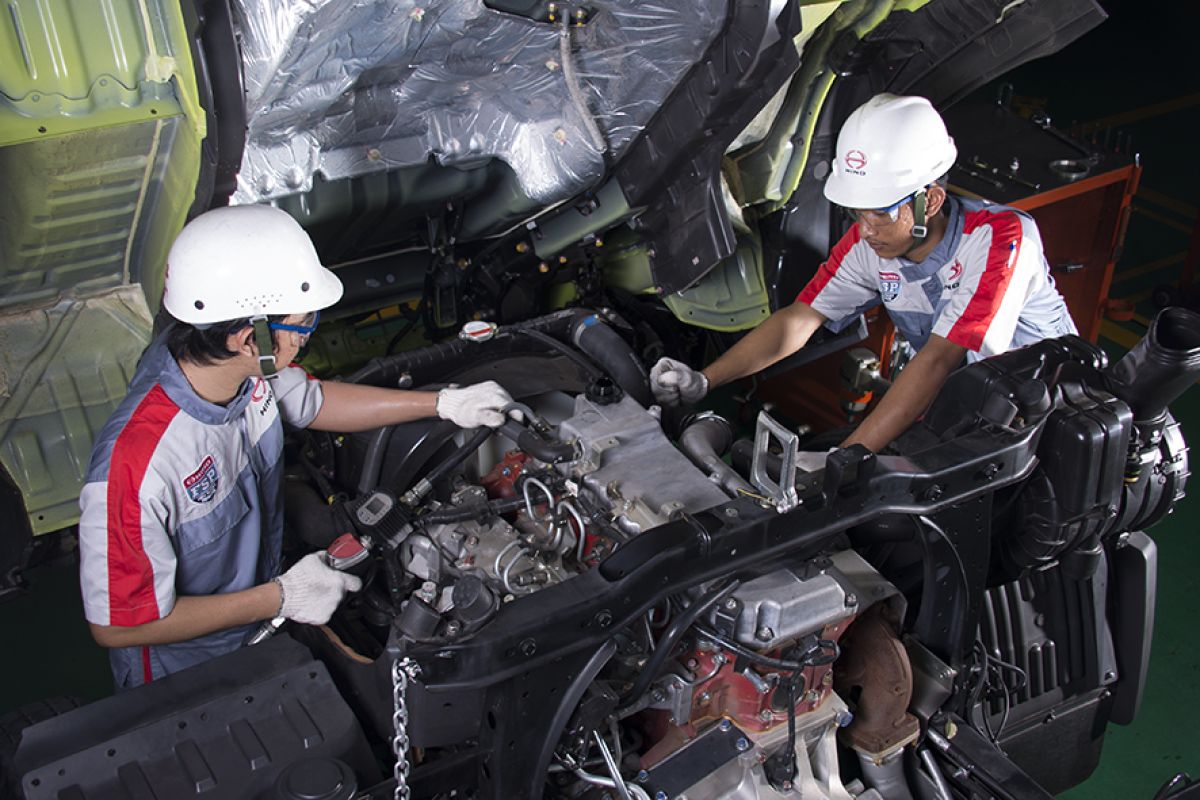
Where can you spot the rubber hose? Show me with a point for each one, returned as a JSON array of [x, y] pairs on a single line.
[[670, 638], [606, 347]]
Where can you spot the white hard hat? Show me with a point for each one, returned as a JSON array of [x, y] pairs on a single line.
[[245, 261], [888, 148]]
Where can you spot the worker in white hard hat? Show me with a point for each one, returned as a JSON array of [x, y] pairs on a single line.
[[180, 536], [959, 278]]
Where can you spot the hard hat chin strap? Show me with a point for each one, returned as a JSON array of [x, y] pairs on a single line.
[[920, 230], [266, 346]]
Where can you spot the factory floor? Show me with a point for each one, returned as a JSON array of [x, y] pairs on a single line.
[[1100, 78]]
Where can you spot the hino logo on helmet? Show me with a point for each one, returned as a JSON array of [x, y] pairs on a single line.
[[855, 161]]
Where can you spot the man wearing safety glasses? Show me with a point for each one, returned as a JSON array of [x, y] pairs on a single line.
[[958, 278], [181, 529]]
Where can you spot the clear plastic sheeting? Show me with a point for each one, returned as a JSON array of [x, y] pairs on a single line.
[[348, 88]]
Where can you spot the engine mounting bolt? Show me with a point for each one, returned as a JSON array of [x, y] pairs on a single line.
[[731, 603], [851, 600], [726, 725], [731, 512], [813, 697], [703, 699], [743, 744], [603, 619], [660, 796], [692, 663], [933, 493], [472, 541], [765, 634], [453, 628], [528, 647], [765, 715], [642, 776]]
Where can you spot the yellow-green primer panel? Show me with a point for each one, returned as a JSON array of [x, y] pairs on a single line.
[[100, 135]]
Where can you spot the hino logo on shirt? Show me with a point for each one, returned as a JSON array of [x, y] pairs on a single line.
[[889, 285], [257, 394], [201, 485], [956, 271]]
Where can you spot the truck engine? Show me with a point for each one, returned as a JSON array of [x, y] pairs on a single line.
[[608, 599]]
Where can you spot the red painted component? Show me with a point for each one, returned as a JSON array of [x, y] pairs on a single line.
[[345, 546], [501, 481], [727, 693]]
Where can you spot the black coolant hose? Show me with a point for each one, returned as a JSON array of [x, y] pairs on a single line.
[[606, 347], [671, 636], [422, 487], [428, 365], [542, 449]]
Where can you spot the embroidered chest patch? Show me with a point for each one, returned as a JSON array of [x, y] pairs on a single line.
[[201, 485], [889, 285]]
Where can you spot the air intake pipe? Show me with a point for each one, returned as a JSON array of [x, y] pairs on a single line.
[[1150, 377], [705, 438], [1159, 368]]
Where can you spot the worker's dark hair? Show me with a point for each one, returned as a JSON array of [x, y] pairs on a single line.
[[205, 345]]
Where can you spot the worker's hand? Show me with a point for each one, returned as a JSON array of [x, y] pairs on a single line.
[[312, 590], [673, 382], [475, 405]]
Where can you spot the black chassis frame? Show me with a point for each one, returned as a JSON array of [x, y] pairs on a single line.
[[513, 686]]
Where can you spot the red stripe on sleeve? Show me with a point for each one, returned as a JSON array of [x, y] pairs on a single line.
[[147, 672], [970, 328], [130, 577], [827, 270]]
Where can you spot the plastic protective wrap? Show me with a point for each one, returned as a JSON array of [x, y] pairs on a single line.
[[347, 88]]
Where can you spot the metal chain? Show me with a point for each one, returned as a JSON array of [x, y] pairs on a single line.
[[403, 670]]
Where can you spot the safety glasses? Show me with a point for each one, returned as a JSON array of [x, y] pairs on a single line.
[[305, 328], [877, 218]]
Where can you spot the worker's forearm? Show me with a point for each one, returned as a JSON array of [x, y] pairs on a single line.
[[195, 616], [915, 388], [350, 407], [782, 334]]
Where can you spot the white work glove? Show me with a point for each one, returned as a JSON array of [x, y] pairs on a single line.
[[673, 382], [312, 590], [475, 405]]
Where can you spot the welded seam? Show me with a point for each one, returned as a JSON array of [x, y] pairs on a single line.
[[141, 201]]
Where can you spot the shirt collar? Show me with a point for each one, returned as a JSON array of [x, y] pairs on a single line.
[[941, 254], [163, 367]]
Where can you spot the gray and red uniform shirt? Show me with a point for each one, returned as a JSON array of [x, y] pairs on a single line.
[[184, 498], [986, 286]]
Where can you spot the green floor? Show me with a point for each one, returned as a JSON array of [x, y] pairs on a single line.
[[1136, 68]]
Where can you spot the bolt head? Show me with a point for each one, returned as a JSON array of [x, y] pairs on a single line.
[[726, 725], [731, 603], [660, 796], [764, 634], [851, 600], [743, 744], [642, 776]]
